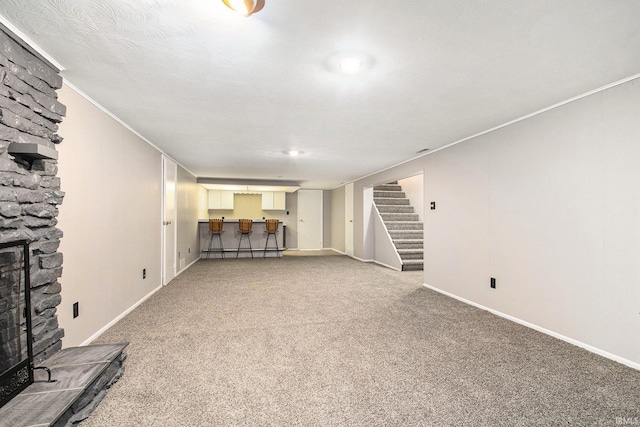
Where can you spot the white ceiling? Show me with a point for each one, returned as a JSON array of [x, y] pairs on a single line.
[[226, 96]]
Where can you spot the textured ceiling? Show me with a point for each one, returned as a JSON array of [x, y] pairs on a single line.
[[225, 95]]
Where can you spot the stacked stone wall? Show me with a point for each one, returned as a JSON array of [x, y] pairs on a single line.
[[12, 333], [29, 187]]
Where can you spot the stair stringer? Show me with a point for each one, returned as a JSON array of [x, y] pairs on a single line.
[[384, 250]]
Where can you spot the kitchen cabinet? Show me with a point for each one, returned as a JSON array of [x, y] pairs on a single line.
[[221, 200], [274, 200]]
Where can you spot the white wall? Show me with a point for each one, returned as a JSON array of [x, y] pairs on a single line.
[[326, 219], [413, 188], [291, 220], [192, 204], [110, 218], [550, 207], [337, 219], [384, 250]]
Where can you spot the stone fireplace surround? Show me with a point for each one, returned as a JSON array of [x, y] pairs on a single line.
[[30, 193], [29, 188]]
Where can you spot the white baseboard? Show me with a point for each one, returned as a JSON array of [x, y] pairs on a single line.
[[377, 262], [130, 309], [117, 319], [386, 265], [577, 343], [187, 267]]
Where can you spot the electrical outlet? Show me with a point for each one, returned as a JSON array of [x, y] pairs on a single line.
[[493, 283], [433, 206], [144, 273], [76, 310]]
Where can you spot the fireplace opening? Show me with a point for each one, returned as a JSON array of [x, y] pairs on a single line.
[[16, 354]]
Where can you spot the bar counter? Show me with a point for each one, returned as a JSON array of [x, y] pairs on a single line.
[[231, 237]]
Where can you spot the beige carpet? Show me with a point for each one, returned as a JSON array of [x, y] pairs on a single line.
[[330, 341], [318, 252]]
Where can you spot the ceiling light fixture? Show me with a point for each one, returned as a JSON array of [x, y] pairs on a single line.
[[245, 7], [351, 65], [293, 153]]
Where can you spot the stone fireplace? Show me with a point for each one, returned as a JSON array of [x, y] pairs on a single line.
[[16, 354], [29, 188], [63, 385]]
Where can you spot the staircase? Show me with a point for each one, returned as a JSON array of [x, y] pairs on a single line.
[[404, 226]]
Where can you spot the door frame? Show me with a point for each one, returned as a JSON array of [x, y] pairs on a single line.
[[319, 217], [168, 223], [348, 219]]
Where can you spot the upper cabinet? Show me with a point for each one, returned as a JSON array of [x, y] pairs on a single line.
[[274, 200], [222, 200]]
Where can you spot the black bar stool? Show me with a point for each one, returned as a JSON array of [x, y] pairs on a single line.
[[244, 227], [271, 228], [215, 228]]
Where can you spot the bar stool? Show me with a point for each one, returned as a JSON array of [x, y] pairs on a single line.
[[271, 228], [215, 228], [244, 227]]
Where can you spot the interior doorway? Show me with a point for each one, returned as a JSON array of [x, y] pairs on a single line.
[[169, 182], [310, 219], [348, 219], [394, 229]]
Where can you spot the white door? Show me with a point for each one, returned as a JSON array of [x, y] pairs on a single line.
[[309, 219], [169, 175], [348, 219]]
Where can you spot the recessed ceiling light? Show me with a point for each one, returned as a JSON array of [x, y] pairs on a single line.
[[293, 153], [349, 62]]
